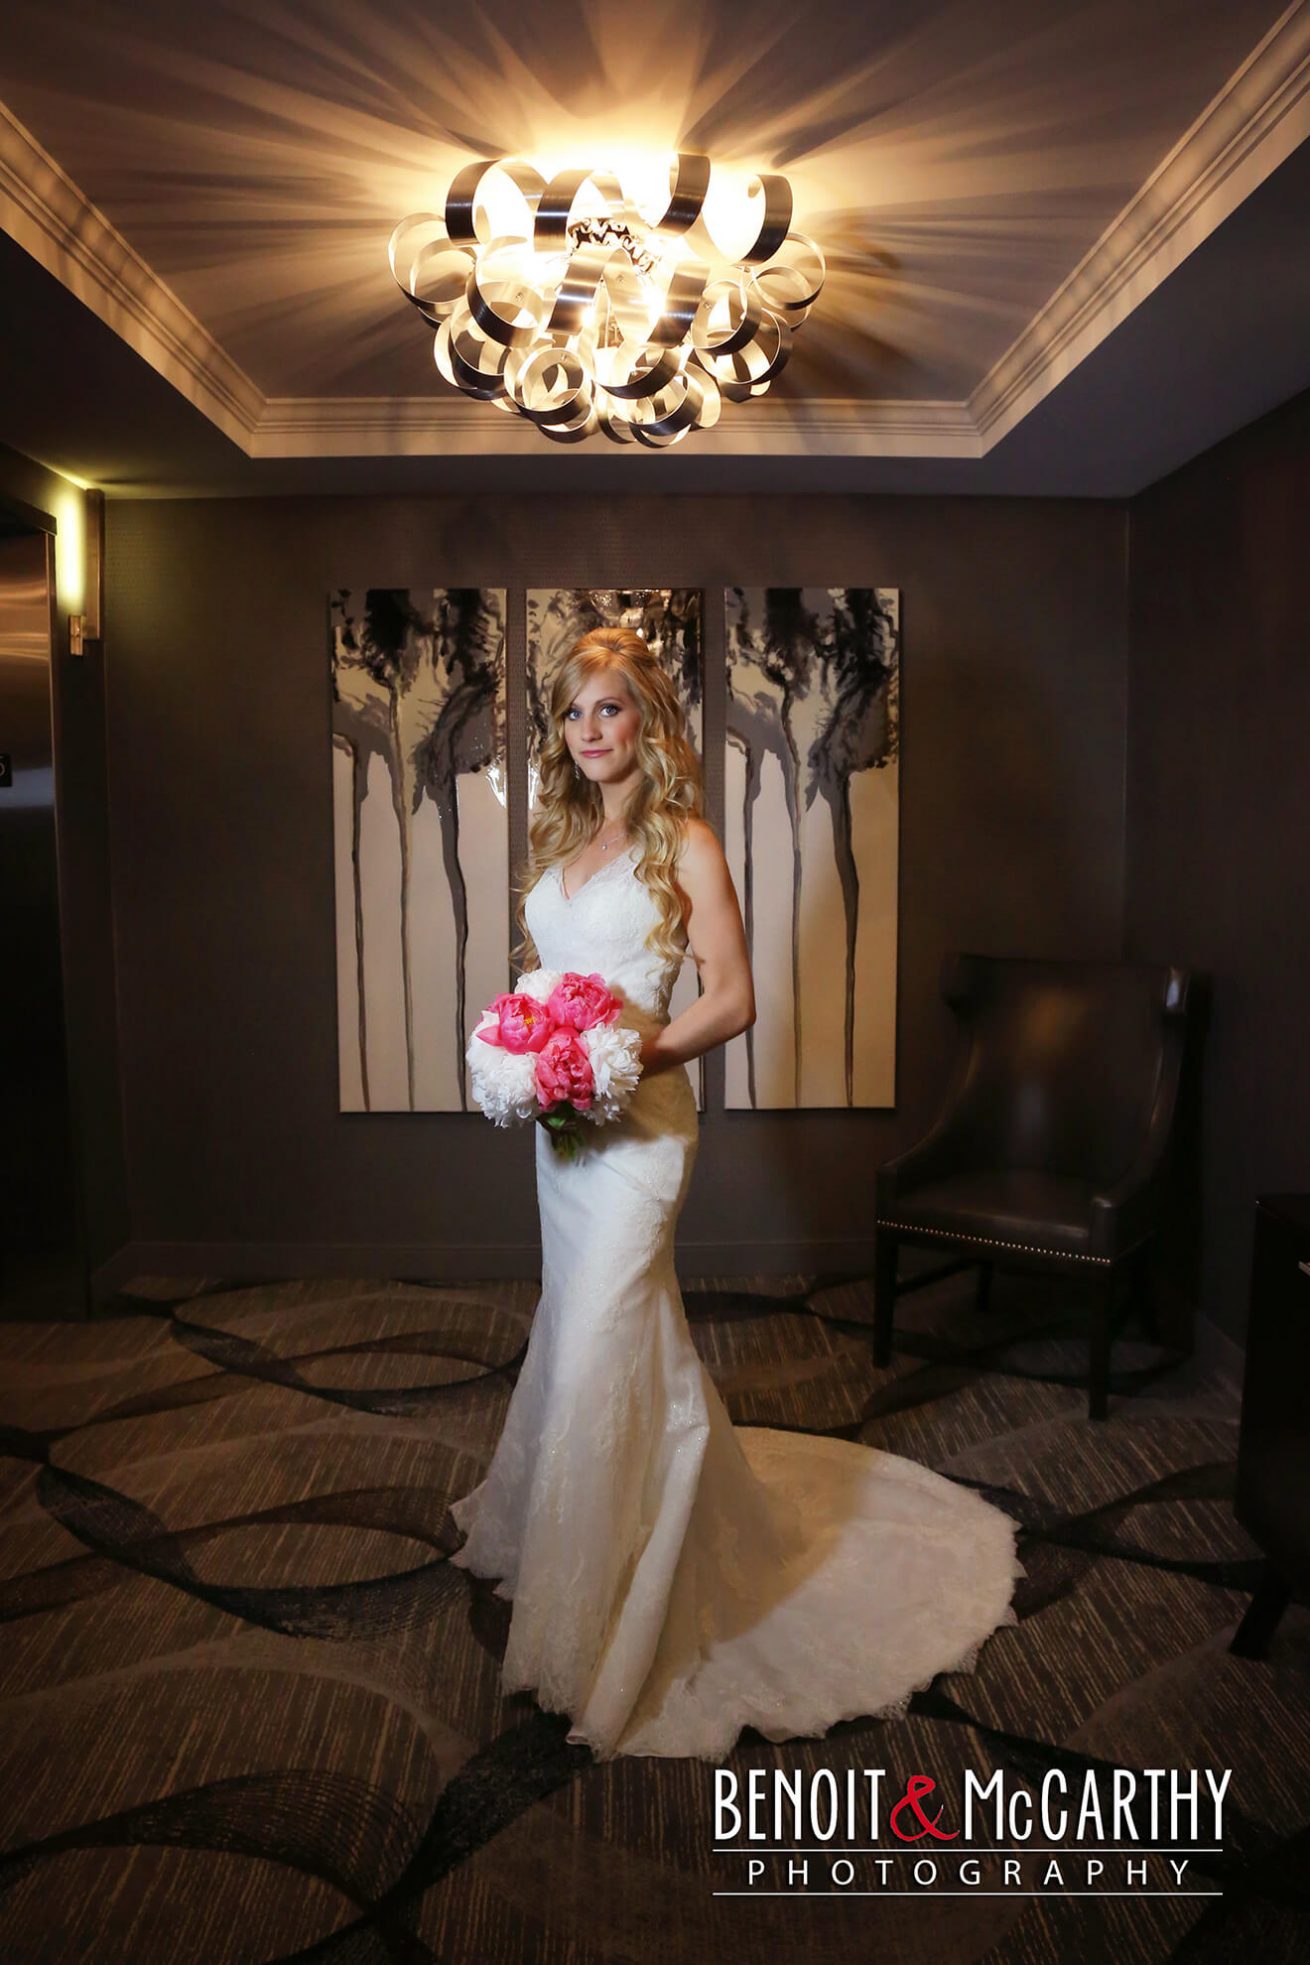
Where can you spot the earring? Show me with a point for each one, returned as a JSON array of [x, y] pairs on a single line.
[[576, 772]]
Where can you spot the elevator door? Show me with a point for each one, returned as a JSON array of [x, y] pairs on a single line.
[[42, 1272]]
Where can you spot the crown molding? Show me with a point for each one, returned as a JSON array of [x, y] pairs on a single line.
[[45, 212], [1258, 118], [449, 425], [1254, 123], [51, 219]]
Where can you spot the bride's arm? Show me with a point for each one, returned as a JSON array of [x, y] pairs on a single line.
[[717, 941]]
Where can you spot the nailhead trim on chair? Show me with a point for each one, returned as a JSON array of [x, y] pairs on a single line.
[[987, 1242]]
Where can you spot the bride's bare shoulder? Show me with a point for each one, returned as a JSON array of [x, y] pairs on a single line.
[[701, 853], [698, 836]]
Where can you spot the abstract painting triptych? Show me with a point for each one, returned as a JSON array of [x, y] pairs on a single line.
[[423, 779]]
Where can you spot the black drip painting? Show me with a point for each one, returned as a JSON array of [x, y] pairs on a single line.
[[812, 817]]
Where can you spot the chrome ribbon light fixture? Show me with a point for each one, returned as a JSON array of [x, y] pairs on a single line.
[[567, 302]]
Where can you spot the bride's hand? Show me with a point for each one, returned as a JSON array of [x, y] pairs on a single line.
[[650, 1062]]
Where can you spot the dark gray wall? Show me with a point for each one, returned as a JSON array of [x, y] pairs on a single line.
[[1012, 841], [1219, 806]]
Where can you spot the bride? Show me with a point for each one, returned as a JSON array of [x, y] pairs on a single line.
[[675, 1578]]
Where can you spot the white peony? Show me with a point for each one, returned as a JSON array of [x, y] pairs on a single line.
[[538, 983], [504, 1082], [615, 1053]]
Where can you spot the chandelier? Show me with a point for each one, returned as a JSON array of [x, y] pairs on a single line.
[[567, 302]]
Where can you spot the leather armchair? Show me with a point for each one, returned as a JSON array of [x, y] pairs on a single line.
[[1053, 1145]]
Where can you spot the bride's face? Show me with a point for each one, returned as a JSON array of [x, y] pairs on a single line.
[[601, 726]]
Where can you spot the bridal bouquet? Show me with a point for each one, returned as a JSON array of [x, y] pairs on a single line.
[[552, 1050]]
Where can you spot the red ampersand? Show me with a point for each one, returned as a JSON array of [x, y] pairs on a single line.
[[917, 1786]]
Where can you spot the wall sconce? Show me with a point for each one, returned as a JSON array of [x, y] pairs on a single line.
[[84, 630], [566, 302]]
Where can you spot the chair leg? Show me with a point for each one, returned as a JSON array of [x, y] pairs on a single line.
[[985, 1273], [885, 1252], [1144, 1303], [1272, 1596], [1102, 1322]]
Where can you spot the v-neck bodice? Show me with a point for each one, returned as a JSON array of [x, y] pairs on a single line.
[[618, 860], [603, 929]]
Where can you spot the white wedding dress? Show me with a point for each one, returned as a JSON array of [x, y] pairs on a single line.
[[675, 1578]]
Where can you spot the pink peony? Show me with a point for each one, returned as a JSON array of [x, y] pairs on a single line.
[[563, 1070], [522, 1024], [582, 1002]]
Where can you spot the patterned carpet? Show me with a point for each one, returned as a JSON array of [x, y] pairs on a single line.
[[250, 1711]]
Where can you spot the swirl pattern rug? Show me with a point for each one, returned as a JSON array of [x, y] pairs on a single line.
[[250, 1710]]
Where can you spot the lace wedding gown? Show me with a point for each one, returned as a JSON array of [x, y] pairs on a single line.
[[675, 1578]]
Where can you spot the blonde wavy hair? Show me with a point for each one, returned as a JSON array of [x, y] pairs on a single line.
[[569, 810]]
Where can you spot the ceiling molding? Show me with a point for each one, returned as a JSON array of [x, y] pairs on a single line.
[[1250, 127], [422, 426], [50, 218], [45, 212], [1259, 117]]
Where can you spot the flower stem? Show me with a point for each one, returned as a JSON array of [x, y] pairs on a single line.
[[563, 1129]]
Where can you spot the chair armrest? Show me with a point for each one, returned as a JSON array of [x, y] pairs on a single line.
[[1124, 1212], [933, 1157], [941, 1150]]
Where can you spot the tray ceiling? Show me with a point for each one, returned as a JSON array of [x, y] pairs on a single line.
[[998, 190]]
